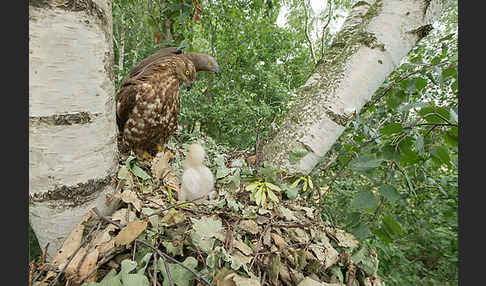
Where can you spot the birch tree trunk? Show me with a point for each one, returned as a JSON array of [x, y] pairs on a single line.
[[375, 37], [72, 131]]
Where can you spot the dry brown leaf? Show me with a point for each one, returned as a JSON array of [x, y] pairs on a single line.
[[72, 242], [267, 238], [101, 237], [344, 239], [88, 265], [73, 265], [242, 246], [50, 274], [279, 241], [155, 202], [250, 226], [160, 165], [130, 197], [130, 232], [172, 217], [123, 216]]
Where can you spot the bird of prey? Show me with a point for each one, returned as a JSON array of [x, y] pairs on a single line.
[[147, 102]]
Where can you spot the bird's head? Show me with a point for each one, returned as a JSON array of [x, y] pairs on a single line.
[[203, 62], [186, 73]]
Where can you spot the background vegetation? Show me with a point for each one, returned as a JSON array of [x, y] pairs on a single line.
[[394, 184]]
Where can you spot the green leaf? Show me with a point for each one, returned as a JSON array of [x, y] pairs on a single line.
[[272, 196], [290, 192], [272, 186], [420, 83], [252, 186], [449, 72], [179, 275], [451, 137], [361, 231], [442, 154], [222, 171], [383, 235], [309, 180], [296, 182], [392, 226], [364, 200], [391, 128], [365, 163], [136, 170], [263, 197], [429, 114], [419, 143], [389, 192]]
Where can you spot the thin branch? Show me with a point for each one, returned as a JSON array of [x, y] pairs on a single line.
[[307, 33], [71, 257], [392, 85], [175, 205], [98, 213], [329, 4], [199, 277], [155, 269]]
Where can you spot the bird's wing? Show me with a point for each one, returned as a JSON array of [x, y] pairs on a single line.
[[162, 53], [125, 101]]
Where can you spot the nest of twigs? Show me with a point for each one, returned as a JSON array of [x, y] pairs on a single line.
[[154, 240]]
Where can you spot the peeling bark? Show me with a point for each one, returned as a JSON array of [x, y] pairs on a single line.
[[72, 130], [375, 37]]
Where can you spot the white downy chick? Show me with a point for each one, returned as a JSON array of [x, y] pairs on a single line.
[[197, 179]]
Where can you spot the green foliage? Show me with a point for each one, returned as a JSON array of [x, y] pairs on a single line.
[[397, 167], [135, 169], [394, 183], [261, 190], [34, 248]]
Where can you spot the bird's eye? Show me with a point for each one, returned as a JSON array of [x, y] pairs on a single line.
[[210, 63], [188, 72]]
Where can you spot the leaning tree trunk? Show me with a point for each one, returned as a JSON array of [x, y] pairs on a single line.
[[72, 146], [374, 38]]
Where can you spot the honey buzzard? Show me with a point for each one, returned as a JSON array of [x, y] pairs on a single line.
[[147, 102]]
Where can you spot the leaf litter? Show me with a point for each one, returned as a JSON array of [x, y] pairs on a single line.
[[228, 241]]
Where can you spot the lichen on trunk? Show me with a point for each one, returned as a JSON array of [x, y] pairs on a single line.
[[374, 38]]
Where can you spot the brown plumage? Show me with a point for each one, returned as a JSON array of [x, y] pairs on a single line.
[[147, 102]]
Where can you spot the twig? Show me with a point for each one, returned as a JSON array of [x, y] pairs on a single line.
[[169, 276], [392, 85], [85, 239], [87, 248], [199, 278], [352, 274], [44, 255], [329, 4], [257, 248], [306, 30], [98, 213], [134, 250], [174, 205], [291, 224], [155, 269], [432, 124], [32, 268]]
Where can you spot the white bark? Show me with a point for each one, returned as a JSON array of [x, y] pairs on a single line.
[[72, 131], [373, 40]]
